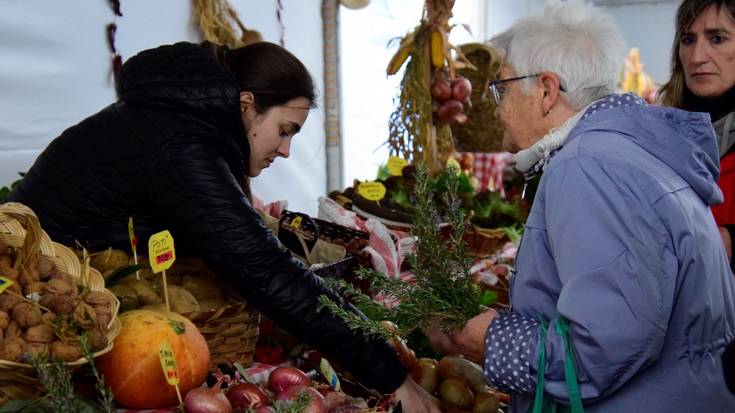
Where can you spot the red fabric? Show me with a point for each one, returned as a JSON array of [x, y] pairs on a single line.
[[725, 213], [489, 169]]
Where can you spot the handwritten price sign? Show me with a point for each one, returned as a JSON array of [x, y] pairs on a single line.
[[372, 191], [396, 165], [161, 251], [168, 363]]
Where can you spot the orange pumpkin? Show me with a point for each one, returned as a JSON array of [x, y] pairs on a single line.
[[132, 368]]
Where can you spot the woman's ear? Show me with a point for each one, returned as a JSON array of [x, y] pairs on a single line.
[[550, 87], [247, 99]]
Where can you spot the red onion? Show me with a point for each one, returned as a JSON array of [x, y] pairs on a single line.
[[448, 110], [207, 400], [461, 89], [265, 409], [284, 377], [316, 405], [246, 395], [440, 89]]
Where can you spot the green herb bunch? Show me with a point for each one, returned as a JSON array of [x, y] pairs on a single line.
[[443, 292]]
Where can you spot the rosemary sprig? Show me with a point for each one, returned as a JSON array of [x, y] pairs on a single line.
[[105, 397], [443, 292]]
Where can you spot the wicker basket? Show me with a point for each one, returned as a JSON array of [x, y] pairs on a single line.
[[482, 132], [231, 333], [19, 228], [483, 242]]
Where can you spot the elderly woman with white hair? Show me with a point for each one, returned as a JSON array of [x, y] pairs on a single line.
[[623, 300]]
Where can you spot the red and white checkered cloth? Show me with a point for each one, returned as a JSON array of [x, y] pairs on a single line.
[[489, 169]]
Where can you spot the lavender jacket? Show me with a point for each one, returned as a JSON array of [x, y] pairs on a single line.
[[621, 242]]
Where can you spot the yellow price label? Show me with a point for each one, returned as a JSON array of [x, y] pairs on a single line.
[[372, 191], [161, 251], [131, 235], [396, 165], [453, 164], [5, 283], [296, 222], [168, 363]]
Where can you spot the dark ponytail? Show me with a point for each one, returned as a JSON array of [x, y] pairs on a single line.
[[270, 72]]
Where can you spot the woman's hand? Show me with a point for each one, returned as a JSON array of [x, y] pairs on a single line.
[[468, 341], [414, 399]]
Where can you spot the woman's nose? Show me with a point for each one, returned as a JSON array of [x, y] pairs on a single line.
[[700, 53], [284, 149]]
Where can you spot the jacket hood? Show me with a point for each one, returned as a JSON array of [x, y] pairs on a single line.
[[187, 79], [685, 141]]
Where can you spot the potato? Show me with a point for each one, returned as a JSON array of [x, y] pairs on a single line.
[[426, 375], [13, 348], [456, 367], [144, 291], [8, 301], [109, 260], [97, 298], [181, 300], [203, 289], [485, 402], [212, 304], [155, 307], [456, 393], [127, 296]]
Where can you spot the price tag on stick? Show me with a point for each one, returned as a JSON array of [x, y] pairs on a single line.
[[133, 244], [162, 255], [168, 365], [396, 165], [372, 191]]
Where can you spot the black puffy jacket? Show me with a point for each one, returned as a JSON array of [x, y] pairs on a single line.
[[169, 153]]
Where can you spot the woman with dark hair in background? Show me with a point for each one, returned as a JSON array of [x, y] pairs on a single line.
[[192, 124], [703, 80]]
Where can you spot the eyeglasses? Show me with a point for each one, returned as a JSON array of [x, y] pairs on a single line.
[[499, 91]]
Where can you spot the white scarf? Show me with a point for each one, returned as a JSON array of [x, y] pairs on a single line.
[[540, 152]]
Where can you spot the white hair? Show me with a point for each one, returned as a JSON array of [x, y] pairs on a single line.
[[572, 39]]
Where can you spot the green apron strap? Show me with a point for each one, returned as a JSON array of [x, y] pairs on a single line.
[[538, 403], [575, 398]]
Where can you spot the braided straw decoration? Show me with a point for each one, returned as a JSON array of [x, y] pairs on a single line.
[[220, 24]]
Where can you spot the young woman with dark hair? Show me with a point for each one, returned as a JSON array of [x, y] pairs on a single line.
[[192, 124]]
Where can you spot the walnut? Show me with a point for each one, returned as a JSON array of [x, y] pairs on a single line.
[[59, 287], [103, 321], [96, 298], [48, 317], [4, 320], [66, 351], [13, 331], [6, 267], [59, 304], [13, 348], [85, 316], [41, 333], [36, 350], [28, 276], [26, 314], [35, 287], [97, 339], [46, 267], [8, 301]]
